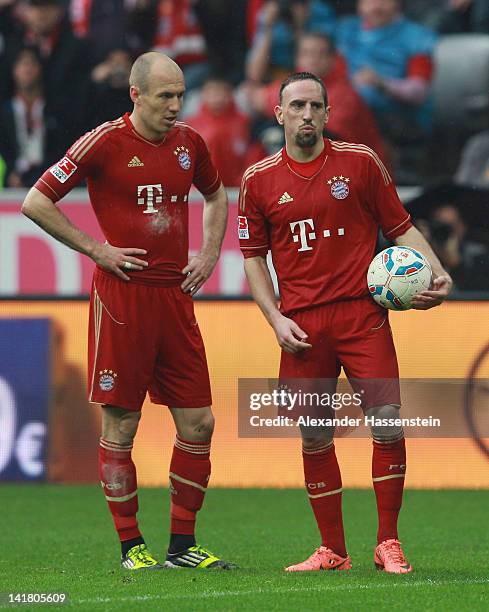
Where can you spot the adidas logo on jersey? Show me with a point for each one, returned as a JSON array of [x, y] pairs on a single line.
[[135, 161], [285, 197]]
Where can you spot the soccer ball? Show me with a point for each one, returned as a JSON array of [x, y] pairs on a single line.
[[396, 275]]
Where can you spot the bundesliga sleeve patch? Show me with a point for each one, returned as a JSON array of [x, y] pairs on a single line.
[[63, 169], [243, 233]]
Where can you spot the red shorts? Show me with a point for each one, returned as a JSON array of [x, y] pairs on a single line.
[[355, 335], [144, 339]]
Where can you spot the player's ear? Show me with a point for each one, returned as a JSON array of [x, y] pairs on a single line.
[[326, 117], [279, 115], [134, 93]]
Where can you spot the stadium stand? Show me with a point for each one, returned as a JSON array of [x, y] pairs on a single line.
[[459, 90]]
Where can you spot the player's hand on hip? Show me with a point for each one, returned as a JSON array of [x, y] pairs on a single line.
[[198, 270], [290, 336], [439, 291], [118, 259]]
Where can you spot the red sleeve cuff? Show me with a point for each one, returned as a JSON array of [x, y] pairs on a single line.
[[213, 187], [249, 252], [400, 229], [47, 190]]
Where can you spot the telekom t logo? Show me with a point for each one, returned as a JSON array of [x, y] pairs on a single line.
[[154, 195], [304, 234]]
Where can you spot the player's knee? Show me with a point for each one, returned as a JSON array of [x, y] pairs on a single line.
[[317, 437], [204, 428], [119, 425], [385, 427], [198, 426], [128, 424]]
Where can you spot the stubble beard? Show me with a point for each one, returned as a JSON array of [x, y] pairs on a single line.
[[306, 140]]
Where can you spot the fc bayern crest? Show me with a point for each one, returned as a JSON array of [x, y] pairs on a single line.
[[107, 380], [339, 187], [183, 157]]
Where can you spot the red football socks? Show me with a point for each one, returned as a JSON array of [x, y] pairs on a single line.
[[388, 469], [190, 469], [323, 483], [118, 478]]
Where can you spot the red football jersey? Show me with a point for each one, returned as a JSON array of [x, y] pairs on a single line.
[[321, 230], [138, 190]]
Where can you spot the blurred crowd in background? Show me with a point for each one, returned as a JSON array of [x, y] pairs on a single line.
[[408, 78]]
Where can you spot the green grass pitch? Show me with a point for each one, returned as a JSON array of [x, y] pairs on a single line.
[[60, 538]]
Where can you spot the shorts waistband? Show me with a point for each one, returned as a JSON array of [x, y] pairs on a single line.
[[100, 272], [355, 300]]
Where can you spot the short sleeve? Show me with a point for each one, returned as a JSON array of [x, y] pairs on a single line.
[[79, 162], [253, 231], [206, 177], [62, 177], [383, 201]]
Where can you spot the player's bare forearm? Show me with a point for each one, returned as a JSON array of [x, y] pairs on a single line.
[[289, 335], [414, 238], [214, 221], [261, 287], [215, 218], [49, 217], [442, 282]]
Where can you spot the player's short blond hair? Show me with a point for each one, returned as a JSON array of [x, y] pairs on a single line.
[[139, 76], [142, 66]]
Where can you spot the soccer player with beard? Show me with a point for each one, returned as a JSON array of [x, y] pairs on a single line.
[[143, 336], [317, 205]]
